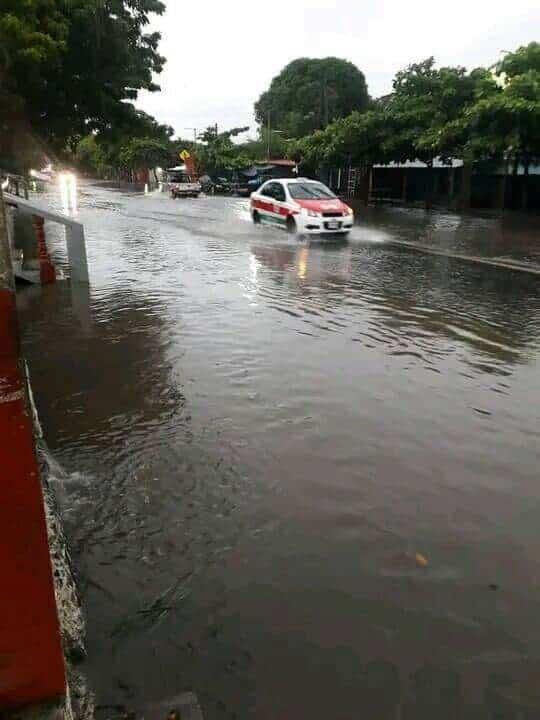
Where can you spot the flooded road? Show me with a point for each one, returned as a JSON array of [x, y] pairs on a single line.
[[301, 481]]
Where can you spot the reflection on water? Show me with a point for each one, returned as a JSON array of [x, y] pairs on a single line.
[[511, 237], [262, 438]]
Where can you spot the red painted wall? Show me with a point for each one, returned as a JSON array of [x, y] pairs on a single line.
[[31, 659]]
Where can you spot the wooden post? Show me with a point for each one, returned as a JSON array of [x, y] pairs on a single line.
[[370, 185]]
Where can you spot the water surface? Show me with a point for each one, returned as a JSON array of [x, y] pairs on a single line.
[[300, 480]]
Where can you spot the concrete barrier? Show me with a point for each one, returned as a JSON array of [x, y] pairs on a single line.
[[31, 657]]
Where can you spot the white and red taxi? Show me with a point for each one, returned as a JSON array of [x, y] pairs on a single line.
[[303, 206]]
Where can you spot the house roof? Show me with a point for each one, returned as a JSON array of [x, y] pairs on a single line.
[[279, 163], [437, 163]]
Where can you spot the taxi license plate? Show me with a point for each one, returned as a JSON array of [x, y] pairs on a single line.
[[333, 225]]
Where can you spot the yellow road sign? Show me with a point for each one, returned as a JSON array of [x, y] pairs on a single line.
[[184, 155]]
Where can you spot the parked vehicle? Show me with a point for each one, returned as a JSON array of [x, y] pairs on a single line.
[[302, 206], [241, 188], [207, 184], [222, 186], [183, 185]]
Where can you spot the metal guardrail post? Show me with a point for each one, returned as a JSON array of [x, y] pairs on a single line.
[[6, 273], [75, 239], [76, 246]]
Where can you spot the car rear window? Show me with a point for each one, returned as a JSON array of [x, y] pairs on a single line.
[[310, 191]]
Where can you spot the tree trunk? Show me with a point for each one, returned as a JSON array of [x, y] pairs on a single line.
[[451, 185], [525, 185], [500, 199], [466, 182], [404, 187], [430, 185]]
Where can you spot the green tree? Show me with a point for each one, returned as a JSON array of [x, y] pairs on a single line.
[[103, 153], [427, 101], [354, 141], [67, 68], [33, 37], [91, 157], [309, 94], [525, 59], [424, 101], [144, 153], [218, 151], [505, 124]]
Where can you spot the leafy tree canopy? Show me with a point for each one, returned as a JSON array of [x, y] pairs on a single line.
[[503, 123], [144, 153], [219, 152], [309, 94], [520, 62], [424, 101], [68, 66]]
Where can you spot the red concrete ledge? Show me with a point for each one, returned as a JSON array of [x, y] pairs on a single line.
[[31, 658]]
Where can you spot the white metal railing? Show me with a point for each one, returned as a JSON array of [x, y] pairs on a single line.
[[74, 231]]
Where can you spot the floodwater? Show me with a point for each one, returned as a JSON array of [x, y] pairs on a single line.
[[300, 480]]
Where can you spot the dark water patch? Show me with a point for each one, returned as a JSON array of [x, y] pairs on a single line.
[[297, 473]]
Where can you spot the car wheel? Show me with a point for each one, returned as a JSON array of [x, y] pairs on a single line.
[[256, 217], [291, 225]]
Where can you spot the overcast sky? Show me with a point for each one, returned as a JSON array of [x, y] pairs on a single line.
[[223, 54]]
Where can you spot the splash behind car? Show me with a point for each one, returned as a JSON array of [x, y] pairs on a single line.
[[306, 207]]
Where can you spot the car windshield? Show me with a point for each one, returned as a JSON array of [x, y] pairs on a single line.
[[310, 191]]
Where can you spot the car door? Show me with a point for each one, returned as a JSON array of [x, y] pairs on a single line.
[[264, 202], [280, 205]]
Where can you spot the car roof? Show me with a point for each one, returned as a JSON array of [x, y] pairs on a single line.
[[292, 181], [303, 180]]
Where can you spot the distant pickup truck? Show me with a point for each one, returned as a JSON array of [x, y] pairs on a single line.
[[182, 186]]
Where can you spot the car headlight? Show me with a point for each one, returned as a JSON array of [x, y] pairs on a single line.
[[349, 211], [310, 213]]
